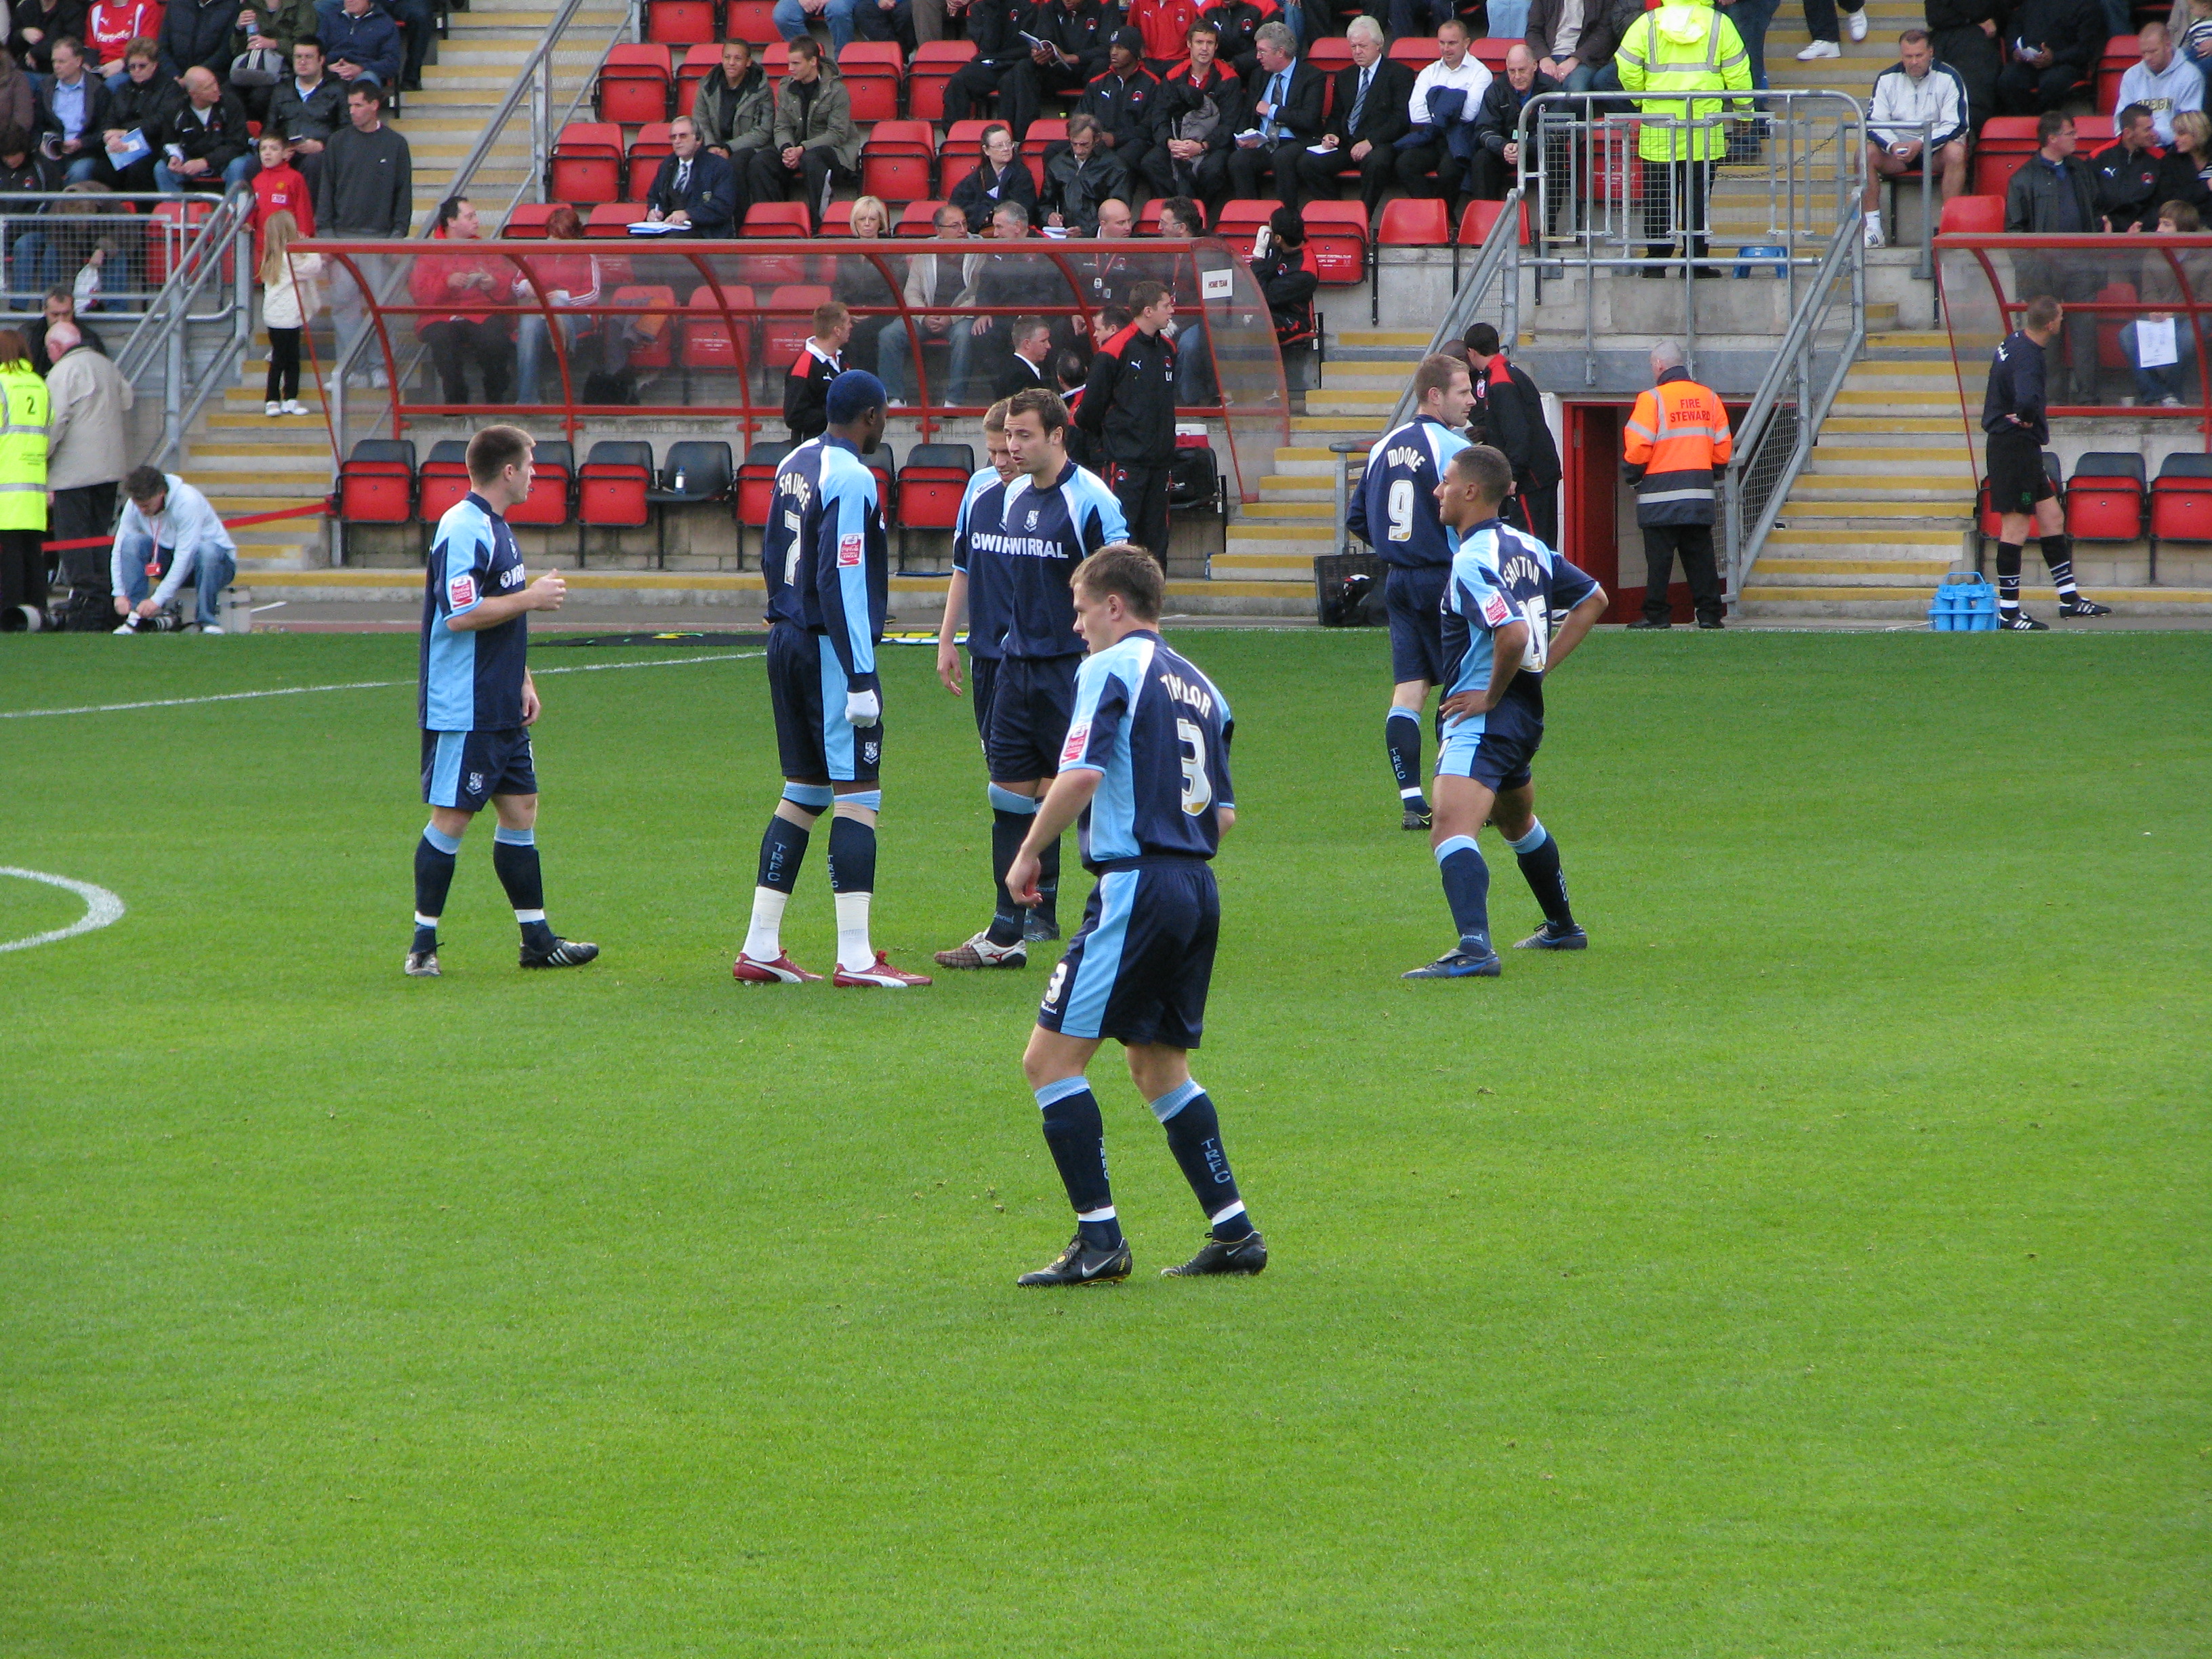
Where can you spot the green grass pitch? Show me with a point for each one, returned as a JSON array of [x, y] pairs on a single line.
[[1815, 1267]]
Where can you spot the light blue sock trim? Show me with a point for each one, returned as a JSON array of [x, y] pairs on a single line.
[[1005, 800], [507, 837], [1457, 844], [1175, 1099], [812, 796], [439, 839], [1398, 713], [1536, 837], [1066, 1086], [870, 799]]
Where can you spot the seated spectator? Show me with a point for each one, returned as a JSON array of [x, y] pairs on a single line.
[[2055, 194], [999, 176], [1163, 27], [1498, 123], [2163, 81], [19, 99], [73, 108], [109, 29], [570, 282], [860, 283], [1279, 265], [1071, 39], [1446, 99], [197, 32], [1121, 102], [60, 307], [37, 25], [204, 143], [735, 108], [870, 19], [937, 278], [996, 29], [192, 546], [2055, 46], [1919, 106], [1966, 34], [2195, 19], [2185, 173], [1079, 178], [361, 42], [2157, 284], [1237, 34], [1193, 121], [821, 360], [2127, 173], [467, 294], [1367, 118], [137, 112], [816, 145], [694, 188]]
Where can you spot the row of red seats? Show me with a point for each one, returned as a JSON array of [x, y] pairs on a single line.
[[2111, 498], [2008, 140]]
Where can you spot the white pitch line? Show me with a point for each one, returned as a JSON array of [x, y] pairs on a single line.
[[101, 908], [351, 685]]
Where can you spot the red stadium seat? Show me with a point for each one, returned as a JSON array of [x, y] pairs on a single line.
[[781, 219], [710, 343], [934, 64], [699, 63], [1410, 221], [837, 219], [167, 227], [587, 163], [2121, 53], [1330, 53], [2123, 294], [786, 320], [1474, 222], [2104, 498], [528, 219], [871, 70], [376, 484], [611, 490], [755, 488], [899, 159], [774, 60], [444, 479], [1993, 171], [962, 149], [613, 218], [1490, 52], [679, 23], [1044, 132], [1415, 52], [654, 146], [931, 485], [633, 84], [553, 464], [2181, 500], [1336, 241], [658, 348], [1972, 215], [748, 19], [919, 219], [1240, 222], [2094, 132]]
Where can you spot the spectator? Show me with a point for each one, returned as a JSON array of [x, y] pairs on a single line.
[[60, 307], [1964, 33], [1688, 47], [109, 29], [2192, 27], [169, 531], [792, 17], [1193, 121], [1919, 105], [465, 294], [1674, 449], [366, 192], [1180, 222], [2185, 174], [276, 26], [73, 106], [2055, 45], [205, 142], [821, 360], [306, 107], [1164, 28], [2163, 81], [860, 281], [138, 113], [886, 20], [38, 24], [1282, 114], [1446, 99], [2158, 286], [1368, 117], [1121, 102], [23, 434], [1111, 275], [1605, 24], [1015, 281], [1071, 38], [937, 280], [362, 42], [2127, 173], [278, 187], [18, 99], [694, 187], [1752, 19], [1129, 412], [2055, 194], [1030, 365], [291, 296], [87, 443], [1498, 123], [816, 144], [1079, 178], [999, 176], [1820, 23], [569, 281], [197, 32], [735, 108], [1514, 415], [1237, 34], [1277, 264], [996, 29]]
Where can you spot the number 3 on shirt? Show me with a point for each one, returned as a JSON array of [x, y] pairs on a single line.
[[1197, 787]]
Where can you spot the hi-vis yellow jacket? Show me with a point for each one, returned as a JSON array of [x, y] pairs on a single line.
[[1683, 46], [23, 405]]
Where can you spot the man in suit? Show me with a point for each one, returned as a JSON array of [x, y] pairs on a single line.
[[1030, 364], [1282, 110], [694, 188], [1370, 116]]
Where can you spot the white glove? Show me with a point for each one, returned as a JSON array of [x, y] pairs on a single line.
[[862, 709]]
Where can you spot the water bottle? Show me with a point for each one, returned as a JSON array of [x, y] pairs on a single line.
[[679, 481]]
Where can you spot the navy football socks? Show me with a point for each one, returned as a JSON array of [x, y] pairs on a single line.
[[1011, 815], [783, 849], [1401, 735], [514, 859], [1047, 909], [434, 857], [852, 856], [1467, 890], [1539, 856], [1195, 1136], [1076, 1135], [2058, 554]]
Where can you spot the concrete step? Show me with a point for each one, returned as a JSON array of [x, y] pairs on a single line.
[[1272, 509], [1389, 377], [1889, 428], [1899, 495], [1812, 514], [1405, 339], [1328, 427], [1296, 487], [1885, 542]]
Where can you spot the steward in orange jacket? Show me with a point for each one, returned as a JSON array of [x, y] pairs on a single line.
[[1676, 446]]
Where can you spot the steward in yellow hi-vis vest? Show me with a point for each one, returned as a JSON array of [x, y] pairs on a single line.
[[23, 404], [1676, 443], [1684, 46]]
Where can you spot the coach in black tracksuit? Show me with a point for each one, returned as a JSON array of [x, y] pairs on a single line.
[[1128, 411]]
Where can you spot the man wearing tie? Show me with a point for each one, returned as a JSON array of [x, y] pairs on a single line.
[[694, 188], [1283, 113], [1370, 118]]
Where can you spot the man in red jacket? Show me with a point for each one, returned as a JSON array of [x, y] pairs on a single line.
[[467, 288]]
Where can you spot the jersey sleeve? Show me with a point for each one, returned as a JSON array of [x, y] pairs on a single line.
[[1355, 515], [968, 500], [1474, 596], [1571, 586], [1112, 524], [464, 570], [841, 569], [1101, 702]]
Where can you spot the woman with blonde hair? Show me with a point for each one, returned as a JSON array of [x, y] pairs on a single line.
[[860, 283], [289, 300]]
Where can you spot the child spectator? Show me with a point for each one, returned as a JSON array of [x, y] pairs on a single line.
[[289, 300], [279, 188]]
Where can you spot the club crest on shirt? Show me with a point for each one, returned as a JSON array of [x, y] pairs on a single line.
[[850, 549], [476, 783], [461, 591], [1495, 611], [1033, 518]]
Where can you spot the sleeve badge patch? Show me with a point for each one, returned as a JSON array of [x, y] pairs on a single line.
[[1495, 611], [849, 548], [1079, 739], [461, 591]]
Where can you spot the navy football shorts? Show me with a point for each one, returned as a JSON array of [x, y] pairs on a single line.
[[1138, 969], [1415, 601], [1030, 706], [1499, 761], [465, 769], [982, 679], [807, 688]]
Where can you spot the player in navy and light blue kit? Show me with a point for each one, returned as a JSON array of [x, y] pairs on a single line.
[[1025, 536], [476, 703], [1505, 585], [828, 582], [1145, 764], [973, 594], [1394, 510]]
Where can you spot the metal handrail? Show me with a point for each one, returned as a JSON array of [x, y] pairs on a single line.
[[226, 234], [1500, 249], [1790, 375]]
